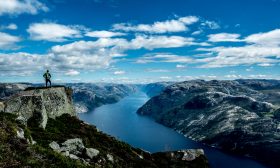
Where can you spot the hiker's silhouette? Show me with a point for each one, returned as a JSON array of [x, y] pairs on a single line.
[[47, 77]]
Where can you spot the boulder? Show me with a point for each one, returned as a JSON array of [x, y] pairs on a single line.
[[39, 104], [110, 157], [20, 133], [74, 146], [55, 146], [74, 157], [91, 153]]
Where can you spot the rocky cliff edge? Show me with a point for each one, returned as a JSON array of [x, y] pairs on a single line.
[[39, 104]]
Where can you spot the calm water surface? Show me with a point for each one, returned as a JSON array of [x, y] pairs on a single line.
[[121, 121]]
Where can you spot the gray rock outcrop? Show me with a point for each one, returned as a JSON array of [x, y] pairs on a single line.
[[41, 104], [75, 149], [91, 152], [2, 107]]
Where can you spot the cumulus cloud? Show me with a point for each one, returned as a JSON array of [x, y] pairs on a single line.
[[117, 46], [16, 7], [271, 38], [262, 49], [104, 34], [210, 24], [52, 32], [119, 72], [157, 70], [233, 76], [21, 63], [164, 57], [8, 41], [197, 32], [72, 72], [180, 66], [168, 26], [234, 56], [223, 37], [11, 26]]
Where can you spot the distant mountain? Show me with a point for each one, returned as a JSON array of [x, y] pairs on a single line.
[[88, 96], [154, 89], [237, 116], [8, 89]]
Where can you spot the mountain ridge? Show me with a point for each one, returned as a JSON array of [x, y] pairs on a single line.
[[226, 114]]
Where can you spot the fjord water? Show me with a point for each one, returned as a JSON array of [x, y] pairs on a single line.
[[121, 121]]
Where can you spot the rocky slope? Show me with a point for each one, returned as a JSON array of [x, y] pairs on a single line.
[[225, 114], [66, 141]]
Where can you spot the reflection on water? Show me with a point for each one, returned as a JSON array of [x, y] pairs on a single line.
[[121, 121]]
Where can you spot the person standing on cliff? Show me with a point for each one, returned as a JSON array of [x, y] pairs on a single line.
[[47, 77]]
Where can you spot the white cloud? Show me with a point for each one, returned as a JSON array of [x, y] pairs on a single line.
[[164, 57], [104, 34], [263, 49], [258, 76], [8, 41], [179, 66], [25, 63], [223, 37], [52, 32], [16, 7], [72, 72], [20, 64], [174, 25], [152, 42], [165, 78], [197, 32], [271, 38], [233, 76], [265, 64], [119, 72], [157, 70], [11, 26], [116, 46], [210, 24], [234, 56]]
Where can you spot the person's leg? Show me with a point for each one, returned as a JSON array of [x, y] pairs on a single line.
[[46, 83]]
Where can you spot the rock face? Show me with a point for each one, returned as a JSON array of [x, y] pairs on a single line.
[[226, 114], [39, 104]]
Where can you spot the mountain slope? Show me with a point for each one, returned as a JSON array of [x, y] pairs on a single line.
[[225, 114]]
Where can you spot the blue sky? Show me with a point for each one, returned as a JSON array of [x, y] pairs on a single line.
[[129, 41]]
